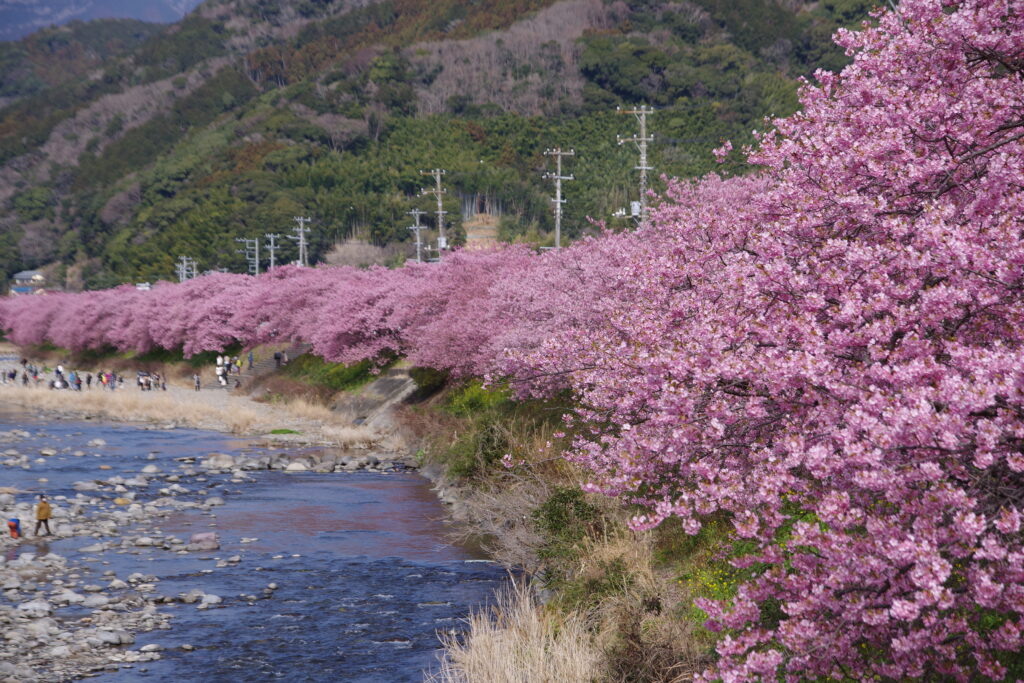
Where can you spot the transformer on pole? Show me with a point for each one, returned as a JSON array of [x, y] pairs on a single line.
[[641, 141], [272, 247], [186, 268], [301, 231]]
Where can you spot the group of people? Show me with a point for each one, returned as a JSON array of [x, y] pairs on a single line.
[[76, 380], [227, 365], [43, 514], [148, 381], [30, 374]]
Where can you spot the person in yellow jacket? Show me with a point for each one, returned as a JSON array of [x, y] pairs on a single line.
[[43, 513]]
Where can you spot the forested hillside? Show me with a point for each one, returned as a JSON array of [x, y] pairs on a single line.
[[124, 145]]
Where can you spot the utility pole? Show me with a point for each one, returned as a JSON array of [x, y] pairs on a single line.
[[272, 247], [557, 176], [641, 142], [252, 253], [438, 192], [186, 268], [300, 236], [416, 213]]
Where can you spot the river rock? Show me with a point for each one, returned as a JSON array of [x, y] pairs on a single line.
[[296, 467], [150, 469], [214, 500], [152, 647], [207, 540], [68, 597], [220, 461], [108, 638], [36, 609], [144, 541], [60, 651], [95, 601], [209, 600], [96, 443]]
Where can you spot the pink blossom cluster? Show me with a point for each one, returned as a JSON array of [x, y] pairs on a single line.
[[829, 354]]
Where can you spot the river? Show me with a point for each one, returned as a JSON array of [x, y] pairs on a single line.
[[365, 573]]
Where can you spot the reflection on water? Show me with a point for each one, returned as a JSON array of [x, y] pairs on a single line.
[[366, 574]]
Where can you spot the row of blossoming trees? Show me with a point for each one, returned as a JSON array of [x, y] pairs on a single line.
[[829, 353]]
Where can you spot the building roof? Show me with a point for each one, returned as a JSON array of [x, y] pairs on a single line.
[[29, 275]]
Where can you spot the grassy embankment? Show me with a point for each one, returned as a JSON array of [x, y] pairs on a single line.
[[617, 605]]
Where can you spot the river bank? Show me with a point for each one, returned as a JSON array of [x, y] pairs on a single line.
[[614, 604], [352, 570]]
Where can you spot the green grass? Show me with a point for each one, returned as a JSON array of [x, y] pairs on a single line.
[[473, 398], [335, 376], [284, 431]]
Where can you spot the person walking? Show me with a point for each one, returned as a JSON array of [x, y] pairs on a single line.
[[195, 378], [88, 380], [250, 360], [43, 513]]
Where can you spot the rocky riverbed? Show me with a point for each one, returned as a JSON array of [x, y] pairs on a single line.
[[177, 551]]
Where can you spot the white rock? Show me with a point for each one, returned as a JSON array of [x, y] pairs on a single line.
[[150, 469], [96, 600], [296, 467], [207, 540], [220, 461], [96, 443], [143, 541], [210, 599], [60, 651], [48, 451], [68, 597], [36, 608], [152, 647]]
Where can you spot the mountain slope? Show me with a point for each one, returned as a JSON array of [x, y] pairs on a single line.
[[157, 143], [19, 18]]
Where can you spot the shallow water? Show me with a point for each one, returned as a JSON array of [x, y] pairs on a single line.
[[366, 573]]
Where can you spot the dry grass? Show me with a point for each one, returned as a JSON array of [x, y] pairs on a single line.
[[639, 627], [219, 411], [309, 410], [132, 405], [519, 641], [350, 437]]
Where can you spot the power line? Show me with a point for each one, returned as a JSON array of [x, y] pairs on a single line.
[[272, 247], [252, 253], [641, 141], [557, 176], [301, 231], [417, 228], [438, 192]]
